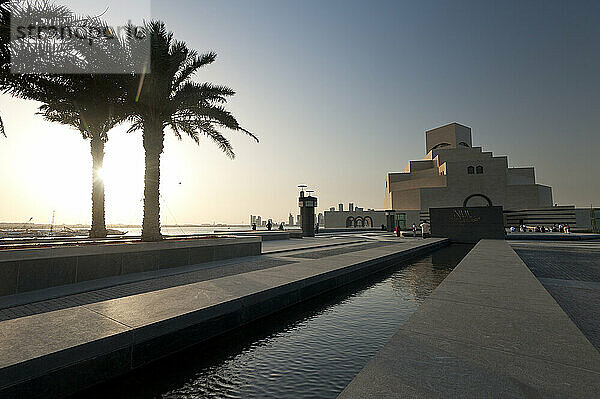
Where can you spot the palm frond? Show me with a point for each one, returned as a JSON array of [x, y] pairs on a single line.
[[136, 124], [219, 140], [191, 66]]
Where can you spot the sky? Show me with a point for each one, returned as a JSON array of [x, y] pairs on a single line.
[[339, 93]]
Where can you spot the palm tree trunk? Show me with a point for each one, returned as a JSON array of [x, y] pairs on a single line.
[[153, 145], [98, 229]]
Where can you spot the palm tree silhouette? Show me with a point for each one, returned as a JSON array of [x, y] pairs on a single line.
[[4, 51], [167, 97], [84, 96], [91, 104]]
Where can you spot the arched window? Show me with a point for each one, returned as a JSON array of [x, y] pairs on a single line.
[[479, 169], [479, 197], [471, 170]]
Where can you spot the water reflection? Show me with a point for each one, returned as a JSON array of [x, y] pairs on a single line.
[[425, 275], [311, 350]]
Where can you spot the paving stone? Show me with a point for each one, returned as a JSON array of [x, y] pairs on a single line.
[[141, 287], [337, 251], [571, 274], [431, 367], [561, 263]]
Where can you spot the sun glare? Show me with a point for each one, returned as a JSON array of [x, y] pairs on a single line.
[[101, 174]]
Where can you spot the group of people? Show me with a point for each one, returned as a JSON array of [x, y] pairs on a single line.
[[269, 226], [425, 229], [560, 228]]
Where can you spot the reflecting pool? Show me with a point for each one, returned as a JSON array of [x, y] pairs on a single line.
[[312, 350]]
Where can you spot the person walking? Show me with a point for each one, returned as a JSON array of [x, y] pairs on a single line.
[[425, 229], [397, 230]]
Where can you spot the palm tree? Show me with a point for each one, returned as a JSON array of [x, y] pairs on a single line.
[[82, 97], [93, 115], [4, 50], [20, 11], [93, 103], [167, 97]]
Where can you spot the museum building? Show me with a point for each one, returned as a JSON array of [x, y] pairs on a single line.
[[453, 173]]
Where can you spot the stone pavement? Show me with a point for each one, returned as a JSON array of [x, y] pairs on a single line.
[[551, 236], [490, 330], [157, 282], [570, 272], [272, 247]]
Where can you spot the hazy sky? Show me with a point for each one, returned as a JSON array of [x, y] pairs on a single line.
[[340, 93]]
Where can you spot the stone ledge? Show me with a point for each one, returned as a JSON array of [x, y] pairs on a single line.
[[34, 269], [119, 247]]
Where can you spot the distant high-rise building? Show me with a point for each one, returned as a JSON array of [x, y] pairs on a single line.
[[291, 220], [332, 209], [252, 219], [351, 207], [341, 207], [298, 220], [258, 221]]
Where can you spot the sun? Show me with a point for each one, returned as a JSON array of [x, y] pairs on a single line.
[[101, 174]]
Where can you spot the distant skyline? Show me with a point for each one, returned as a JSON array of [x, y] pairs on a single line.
[[339, 93]]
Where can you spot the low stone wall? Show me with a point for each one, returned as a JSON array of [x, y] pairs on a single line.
[[348, 230], [33, 269], [265, 235]]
